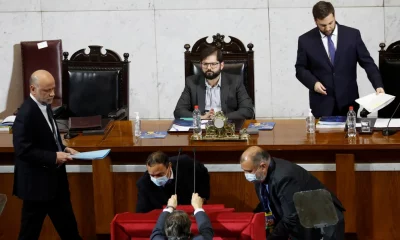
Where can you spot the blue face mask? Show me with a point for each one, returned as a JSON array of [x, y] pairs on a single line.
[[160, 182]]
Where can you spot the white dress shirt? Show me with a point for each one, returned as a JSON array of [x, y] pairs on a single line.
[[195, 211], [334, 38]]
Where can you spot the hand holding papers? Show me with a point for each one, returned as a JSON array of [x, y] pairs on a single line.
[[375, 102], [92, 155]]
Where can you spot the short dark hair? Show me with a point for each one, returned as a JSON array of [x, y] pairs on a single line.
[[177, 225], [322, 9], [260, 156], [210, 50], [157, 158]]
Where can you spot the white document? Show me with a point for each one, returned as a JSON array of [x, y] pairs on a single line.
[[374, 102], [383, 122], [177, 128], [337, 126], [9, 120]]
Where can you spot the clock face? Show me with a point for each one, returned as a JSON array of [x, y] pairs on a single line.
[[219, 123]]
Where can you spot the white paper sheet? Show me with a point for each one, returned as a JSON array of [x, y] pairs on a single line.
[[374, 102], [383, 122]]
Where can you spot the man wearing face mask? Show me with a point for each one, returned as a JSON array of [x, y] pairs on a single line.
[[276, 181], [214, 91], [157, 184], [327, 58]]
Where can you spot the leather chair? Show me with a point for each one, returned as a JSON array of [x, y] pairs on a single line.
[[48, 58], [389, 66], [95, 84], [237, 59]]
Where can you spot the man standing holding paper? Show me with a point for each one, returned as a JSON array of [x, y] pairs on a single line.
[[40, 177], [326, 64]]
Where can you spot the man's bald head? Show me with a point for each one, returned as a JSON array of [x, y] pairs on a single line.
[[255, 154], [42, 86]]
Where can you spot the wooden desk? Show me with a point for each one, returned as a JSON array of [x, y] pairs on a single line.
[[288, 140]]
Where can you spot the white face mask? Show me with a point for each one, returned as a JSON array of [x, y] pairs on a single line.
[[251, 177], [160, 182]]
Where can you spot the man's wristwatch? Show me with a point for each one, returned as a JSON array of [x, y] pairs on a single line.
[[173, 208]]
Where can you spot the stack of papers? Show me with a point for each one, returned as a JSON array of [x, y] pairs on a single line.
[[92, 155], [180, 125], [9, 121], [333, 120], [383, 122], [375, 102], [262, 125]]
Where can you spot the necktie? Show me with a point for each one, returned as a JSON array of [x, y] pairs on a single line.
[[331, 49], [51, 120]]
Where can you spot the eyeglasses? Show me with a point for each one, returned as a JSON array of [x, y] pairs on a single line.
[[212, 65]]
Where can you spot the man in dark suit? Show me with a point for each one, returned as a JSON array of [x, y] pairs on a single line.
[[173, 224], [276, 181], [214, 91], [158, 183], [326, 64], [40, 178]]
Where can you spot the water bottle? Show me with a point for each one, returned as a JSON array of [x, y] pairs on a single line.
[[351, 122], [310, 122], [138, 132], [197, 122]]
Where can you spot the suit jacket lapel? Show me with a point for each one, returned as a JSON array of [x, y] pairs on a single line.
[[225, 86], [320, 46], [201, 94]]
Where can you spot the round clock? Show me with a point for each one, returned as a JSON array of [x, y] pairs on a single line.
[[218, 123]]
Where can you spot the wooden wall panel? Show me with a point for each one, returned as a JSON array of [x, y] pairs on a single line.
[[378, 197], [81, 188]]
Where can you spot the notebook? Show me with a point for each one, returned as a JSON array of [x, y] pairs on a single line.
[[262, 125]]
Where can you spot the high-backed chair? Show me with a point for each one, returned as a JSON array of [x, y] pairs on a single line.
[[237, 59], [95, 84], [389, 65], [46, 55]]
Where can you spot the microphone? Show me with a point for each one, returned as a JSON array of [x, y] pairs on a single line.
[[387, 131], [177, 165], [68, 135], [194, 170]]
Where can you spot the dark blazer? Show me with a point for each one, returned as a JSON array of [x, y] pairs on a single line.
[[36, 176], [284, 179], [203, 225], [340, 79], [235, 102], [151, 197]]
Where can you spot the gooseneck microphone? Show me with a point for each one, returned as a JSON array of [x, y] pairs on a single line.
[[387, 131], [194, 170], [177, 165]]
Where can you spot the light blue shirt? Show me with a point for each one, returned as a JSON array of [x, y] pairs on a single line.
[[213, 96]]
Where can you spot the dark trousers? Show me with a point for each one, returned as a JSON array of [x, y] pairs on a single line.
[[60, 212]]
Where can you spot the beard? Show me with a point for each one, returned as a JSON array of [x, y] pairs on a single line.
[[210, 75]]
